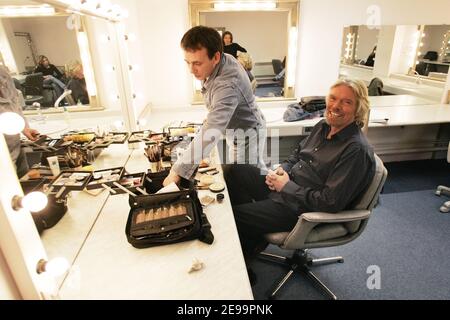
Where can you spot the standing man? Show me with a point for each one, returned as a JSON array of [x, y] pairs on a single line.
[[9, 102], [230, 102]]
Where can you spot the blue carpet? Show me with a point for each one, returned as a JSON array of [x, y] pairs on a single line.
[[406, 237], [416, 175]]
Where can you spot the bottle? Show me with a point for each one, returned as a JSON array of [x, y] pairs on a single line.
[[66, 115]]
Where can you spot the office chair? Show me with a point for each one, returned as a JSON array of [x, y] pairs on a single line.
[[34, 84], [321, 229], [277, 66], [375, 87], [443, 190]]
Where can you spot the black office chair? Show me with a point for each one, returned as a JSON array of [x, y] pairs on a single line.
[[34, 84], [375, 87], [277, 66], [35, 91]]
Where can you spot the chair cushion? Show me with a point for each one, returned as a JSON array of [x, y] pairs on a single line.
[[326, 232]]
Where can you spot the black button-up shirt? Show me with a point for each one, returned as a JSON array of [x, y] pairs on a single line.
[[327, 174]]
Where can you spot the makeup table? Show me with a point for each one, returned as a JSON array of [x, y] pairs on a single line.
[[108, 267]]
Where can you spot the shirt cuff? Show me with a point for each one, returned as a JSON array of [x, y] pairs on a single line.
[[185, 171], [290, 188]]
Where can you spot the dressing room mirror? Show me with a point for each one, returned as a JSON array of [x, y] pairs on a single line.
[[433, 51], [359, 46], [47, 51], [266, 30]]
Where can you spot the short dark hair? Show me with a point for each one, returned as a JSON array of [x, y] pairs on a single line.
[[229, 33], [200, 37]]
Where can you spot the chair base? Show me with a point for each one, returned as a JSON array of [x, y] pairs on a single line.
[[301, 262]]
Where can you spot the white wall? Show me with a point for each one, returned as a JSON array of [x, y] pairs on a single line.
[[159, 26], [51, 37], [322, 22], [262, 34]]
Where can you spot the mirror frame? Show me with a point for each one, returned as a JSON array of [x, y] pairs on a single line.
[[290, 6]]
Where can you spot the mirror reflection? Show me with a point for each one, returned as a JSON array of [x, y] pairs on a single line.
[[265, 49], [404, 59], [44, 58], [359, 46], [434, 52]]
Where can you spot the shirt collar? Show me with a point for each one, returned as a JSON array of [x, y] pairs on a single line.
[[343, 134], [206, 83]]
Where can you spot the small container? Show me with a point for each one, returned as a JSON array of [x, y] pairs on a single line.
[[220, 197]]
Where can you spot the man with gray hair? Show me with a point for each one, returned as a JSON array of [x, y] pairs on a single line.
[[327, 171]]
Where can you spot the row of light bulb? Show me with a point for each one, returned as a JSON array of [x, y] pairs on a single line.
[[103, 7], [11, 123]]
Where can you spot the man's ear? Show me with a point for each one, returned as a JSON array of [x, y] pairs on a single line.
[[216, 57]]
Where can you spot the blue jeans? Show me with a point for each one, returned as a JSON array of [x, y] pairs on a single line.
[[57, 84]]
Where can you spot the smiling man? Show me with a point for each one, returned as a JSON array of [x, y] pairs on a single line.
[[327, 171], [230, 102]]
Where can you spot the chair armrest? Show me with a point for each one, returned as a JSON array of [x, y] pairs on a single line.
[[342, 216]]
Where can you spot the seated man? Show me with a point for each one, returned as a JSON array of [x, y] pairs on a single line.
[[327, 171]]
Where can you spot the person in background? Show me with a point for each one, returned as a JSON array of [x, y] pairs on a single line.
[[229, 46], [9, 102], [326, 172], [229, 100], [77, 84], [246, 61], [52, 76]]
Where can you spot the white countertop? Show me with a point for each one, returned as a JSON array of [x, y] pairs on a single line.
[[108, 267], [399, 85]]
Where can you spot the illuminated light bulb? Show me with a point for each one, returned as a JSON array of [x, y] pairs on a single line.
[[423, 35], [421, 44], [34, 201], [104, 38], [118, 124], [142, 122], [11, 123], [55, 267], [132, 37], [124, 14]]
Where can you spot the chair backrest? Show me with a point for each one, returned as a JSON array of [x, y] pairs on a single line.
[[369, 197], [33, 84], [375, 87], [277, 66]]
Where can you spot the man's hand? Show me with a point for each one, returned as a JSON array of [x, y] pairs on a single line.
[[172, 177], [31, 134], [276, 180]]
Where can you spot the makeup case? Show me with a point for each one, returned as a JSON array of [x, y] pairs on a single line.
[[165, 218]]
